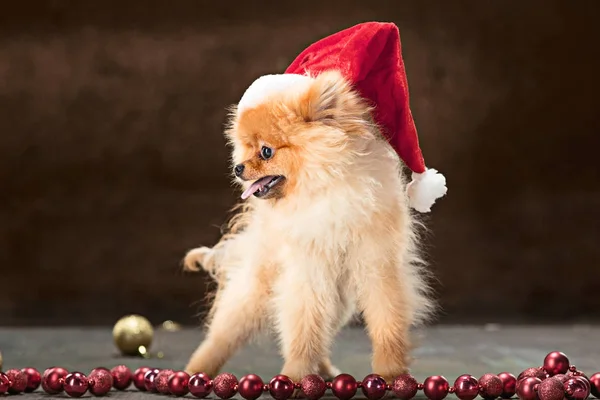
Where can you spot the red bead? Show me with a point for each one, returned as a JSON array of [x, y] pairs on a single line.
[[556, 363], [100, 381], [178, 383], [509, 384], [586, 381], [250, 387], [562, 377], [150, 380], [122, 377], [76, 384], [374, 387], [571, 374], [405, 387], [281, 387], [526, 388], [52, 380], [313, 387], [436, 387], [34, 379], [200, 385], [162, 380], [18, 381], [466, 387], [138, 378], [4, 383], [595, 384], [225, 385], [532, 373], [577, 388], [344, 386], [551, 389], [490, 386]]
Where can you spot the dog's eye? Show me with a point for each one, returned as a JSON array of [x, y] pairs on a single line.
[[266, 152]]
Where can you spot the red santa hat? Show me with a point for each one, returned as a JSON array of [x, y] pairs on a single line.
[[369, 56]]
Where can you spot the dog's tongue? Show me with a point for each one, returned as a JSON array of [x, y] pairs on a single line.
[[257, 185]]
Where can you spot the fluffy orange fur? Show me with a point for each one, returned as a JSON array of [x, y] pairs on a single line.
[[335, 237]]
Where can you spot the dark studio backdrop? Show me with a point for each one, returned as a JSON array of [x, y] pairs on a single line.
[[112, 161]]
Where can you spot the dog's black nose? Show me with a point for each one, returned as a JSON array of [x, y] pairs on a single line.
[[239, 169]]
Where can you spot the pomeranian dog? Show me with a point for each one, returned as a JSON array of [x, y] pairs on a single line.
[[324, 232]]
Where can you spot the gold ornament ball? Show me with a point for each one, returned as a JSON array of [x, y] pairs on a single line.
[[133, 335], [0, 361]]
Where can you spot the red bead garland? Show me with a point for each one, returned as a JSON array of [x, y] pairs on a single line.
[[344, 386], [509, 384], [577, 388], [405, 387], [436, 387], [52, 380], [4, 383], [100, 381], [251, 387], [555, 380], [374, 387], [121, 377], [18, 381], [150, 380], [281, 387], [490, 386], [551, 389], [162, 381], [34, 379], [178, 383], [313, 387], [595, 384], [225, 385], [138, 378], [75, 384], [466, 387], [200, 385], [556, 363], [532, 373]]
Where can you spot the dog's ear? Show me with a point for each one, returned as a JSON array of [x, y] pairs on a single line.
[[332, 101]]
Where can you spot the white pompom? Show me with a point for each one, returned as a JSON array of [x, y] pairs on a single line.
[[425, 189]]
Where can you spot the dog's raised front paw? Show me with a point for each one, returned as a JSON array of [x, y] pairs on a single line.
[[197, 258]]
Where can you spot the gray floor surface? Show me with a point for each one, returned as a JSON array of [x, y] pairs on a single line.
[[445, 350]]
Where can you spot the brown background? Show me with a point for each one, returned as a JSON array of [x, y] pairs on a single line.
[[112, 162]]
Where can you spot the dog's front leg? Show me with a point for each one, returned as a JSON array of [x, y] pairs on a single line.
[[307, 304], [238, 313]]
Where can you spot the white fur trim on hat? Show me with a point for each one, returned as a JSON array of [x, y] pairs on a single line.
[[425, 189], [268, 85]]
